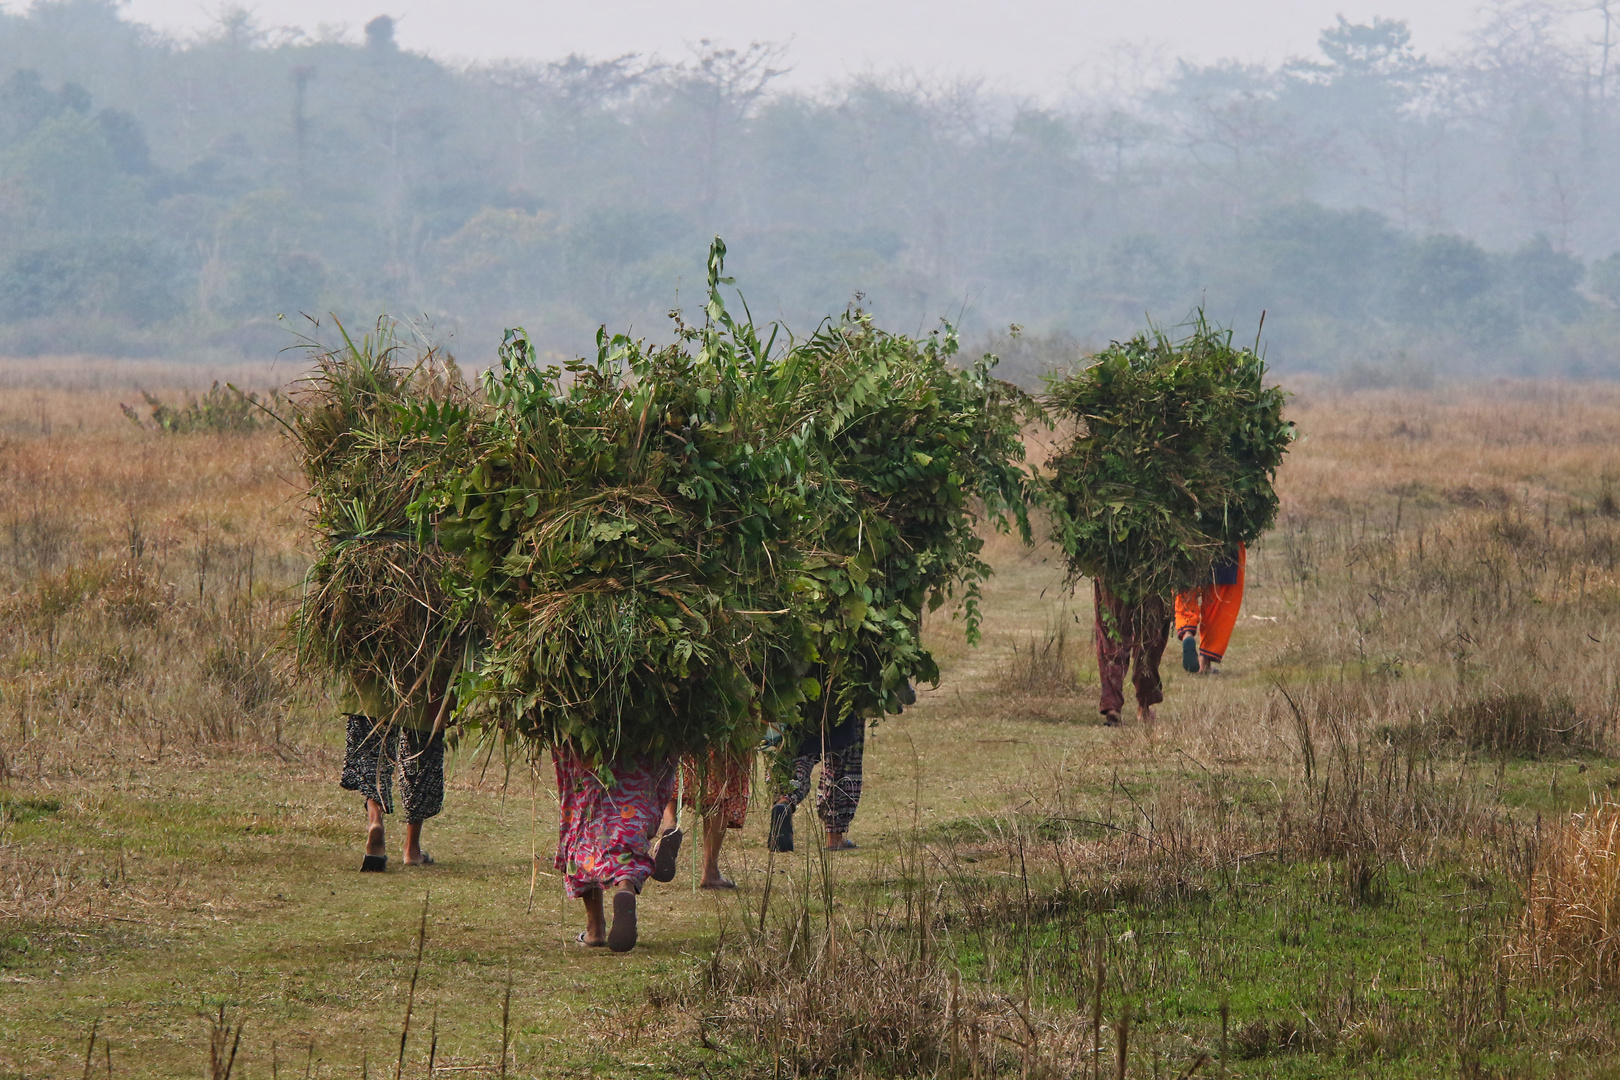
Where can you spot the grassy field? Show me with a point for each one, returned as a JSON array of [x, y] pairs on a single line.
[[1324, 852]]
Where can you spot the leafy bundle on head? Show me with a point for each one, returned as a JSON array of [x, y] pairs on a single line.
[[916, 453], [631, 523], [1172, 463], [376, 429]]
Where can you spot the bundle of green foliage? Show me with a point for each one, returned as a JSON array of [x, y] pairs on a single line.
[[1172, 462], [917, 454], [631, 522], [374, 432]]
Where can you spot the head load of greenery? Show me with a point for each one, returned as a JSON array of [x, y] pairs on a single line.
[[1171, 465], [919, 452], [631, 523], [373, 431]]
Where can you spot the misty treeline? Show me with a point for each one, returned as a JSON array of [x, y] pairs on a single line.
[[1385, 208]]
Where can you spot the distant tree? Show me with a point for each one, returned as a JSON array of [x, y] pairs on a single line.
[[1541, 280], [1440, 274], [1365, 101], [564, 106], [380, 34], [129, 278], [25, 103], [126, 140], [723, 86], [75, 175], [1306, 259], [266, 253], [1603, 277], [501, 261]]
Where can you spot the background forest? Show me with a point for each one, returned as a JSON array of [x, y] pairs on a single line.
[[1401, 213]]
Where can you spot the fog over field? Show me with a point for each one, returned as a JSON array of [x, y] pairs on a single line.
[[1402, 188]]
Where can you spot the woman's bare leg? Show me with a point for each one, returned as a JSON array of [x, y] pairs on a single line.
[[413, 843], [376, 839], [595, 921], [714, 837]]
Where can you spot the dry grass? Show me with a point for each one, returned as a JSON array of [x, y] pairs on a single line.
[[1571, 925]]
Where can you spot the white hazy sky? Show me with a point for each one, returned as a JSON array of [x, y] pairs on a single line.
[[1037, 47]]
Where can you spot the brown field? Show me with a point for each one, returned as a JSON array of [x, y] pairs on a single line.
[[1333, 840]]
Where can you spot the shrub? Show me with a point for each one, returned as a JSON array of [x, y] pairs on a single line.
[[221, 409]]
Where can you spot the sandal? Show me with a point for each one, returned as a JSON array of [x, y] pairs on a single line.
[[723, 883], [427, 860], [669, 849], [622, 934], [589, 944], [1111, 718], [780, 837]]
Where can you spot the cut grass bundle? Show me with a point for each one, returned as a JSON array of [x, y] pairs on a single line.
[[374, 431], [918, 454], [1172, 465], [631, 522]]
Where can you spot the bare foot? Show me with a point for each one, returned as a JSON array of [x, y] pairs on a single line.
[[1145, 714], [414, 855], [376, 860]]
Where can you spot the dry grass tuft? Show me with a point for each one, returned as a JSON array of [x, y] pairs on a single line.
[[1042, 665], [1571, 925]]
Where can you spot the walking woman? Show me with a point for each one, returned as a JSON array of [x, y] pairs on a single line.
[[839, 749], [609, 816], [383, 738], [718, 793], [1131, 638], [1205, 616]]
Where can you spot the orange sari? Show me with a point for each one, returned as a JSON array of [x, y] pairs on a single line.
[[1211, 611]]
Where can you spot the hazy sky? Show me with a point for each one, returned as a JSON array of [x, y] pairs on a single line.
[[1037, 47]]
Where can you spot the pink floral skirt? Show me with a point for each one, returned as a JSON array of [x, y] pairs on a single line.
[[722, 787], [603, 831]]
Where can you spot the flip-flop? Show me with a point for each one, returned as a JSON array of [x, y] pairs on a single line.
[[622, 934], [427, 860], [669, 849], [589, 944], [374, 864], [723, 883], [847, 845], [1189, 653]]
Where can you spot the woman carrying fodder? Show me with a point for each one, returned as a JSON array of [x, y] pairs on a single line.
[[374, 431], [917, 453], [632, 528], [1169, 471]]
